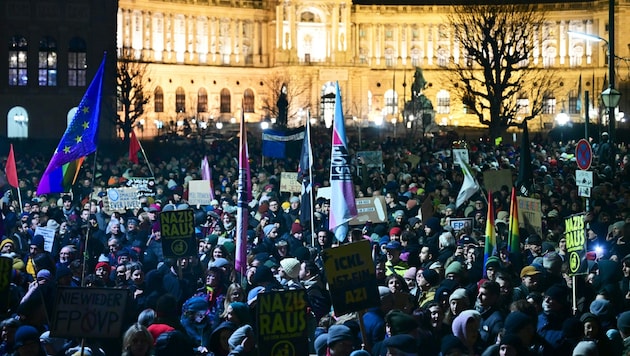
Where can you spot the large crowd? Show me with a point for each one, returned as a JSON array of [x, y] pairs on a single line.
[[438, 294]]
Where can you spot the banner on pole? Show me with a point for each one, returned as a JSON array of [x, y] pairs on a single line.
[[178, 233]]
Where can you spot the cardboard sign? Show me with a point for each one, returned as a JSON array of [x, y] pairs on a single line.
[[199, 192], [289, 182], [371, 158], [530, 215], [494, 180], [282, 326], [575, 234], [89, 312], [370, 209], [351, 277], [178, 233], [49, 236], [145, 185], [123, 198]]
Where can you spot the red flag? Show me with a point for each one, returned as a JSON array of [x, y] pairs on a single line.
[[134, 148], [11, 169]]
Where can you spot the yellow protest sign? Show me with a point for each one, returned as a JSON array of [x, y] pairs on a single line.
[[575, 235]]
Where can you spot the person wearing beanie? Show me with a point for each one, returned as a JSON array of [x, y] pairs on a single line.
[[427, 282], [623, 325], [555, 310], [289, 273], [196, 321], [26, 341], [296, 237], [400, 322], [404, 344], [394, 263], [593, 330], [321, 344], [410, 277], [340, 340], [458, 301], [374, 318], [585, 348]]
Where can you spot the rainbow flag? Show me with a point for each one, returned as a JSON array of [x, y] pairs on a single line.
[[78, 141], [514, 240], [491, 238]]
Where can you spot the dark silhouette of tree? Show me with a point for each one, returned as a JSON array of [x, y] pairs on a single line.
[[131, 80], [295, 89], [498, 68]]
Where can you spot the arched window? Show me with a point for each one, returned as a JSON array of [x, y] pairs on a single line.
[[248, 100], [77, 62], [158, 100], [327, 103], [18, 49], [202, 100], [226, 101], [180, 100], [549, 103], [47, 62]]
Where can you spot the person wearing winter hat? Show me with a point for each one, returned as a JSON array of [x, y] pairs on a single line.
[[289, 273], [585, 348], [321, 344], [340, 340], [404, 344], [529, 283], [26, 341], [410, 277], [394, 263], [196, 323], [238, 313], [466, 328], [458, 302], [555, 310], [427, 281], [400, 322]]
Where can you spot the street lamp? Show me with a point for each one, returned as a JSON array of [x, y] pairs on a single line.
[[562, 119]]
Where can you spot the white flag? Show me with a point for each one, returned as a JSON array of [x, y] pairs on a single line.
[[469, 186]]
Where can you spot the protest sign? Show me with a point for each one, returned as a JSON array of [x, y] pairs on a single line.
[[289, 182], [89, 312], [199, 192], [324, 192], [459, 224], [178, 233], [282, 326], [370, 209], [371, 159], [461, 154], [145, 185], [49, 236], [351, 277], [575, 235], [530, 215], [494, 180], [123, 198]]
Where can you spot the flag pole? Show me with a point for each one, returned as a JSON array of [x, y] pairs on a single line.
[[144, 154], [87, 229], [310, 175], [19, 197]]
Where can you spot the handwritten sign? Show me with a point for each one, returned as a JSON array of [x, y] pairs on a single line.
[[289, 182], [145, 185], [178, 233], [89, 312], [282, 326], [530, 215], [199, 192], [370, 209], [351, 277], [123, 198], [575, 235]]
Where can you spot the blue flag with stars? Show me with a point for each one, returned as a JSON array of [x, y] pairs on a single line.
[[78, 141]]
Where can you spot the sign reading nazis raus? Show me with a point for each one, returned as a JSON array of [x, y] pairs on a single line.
[[89, 312], [282, 326], [351, 277], [178, 233], [575, 235]]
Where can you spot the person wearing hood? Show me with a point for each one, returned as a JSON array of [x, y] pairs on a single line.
[[196, 322], [466, 328], [556, 310]]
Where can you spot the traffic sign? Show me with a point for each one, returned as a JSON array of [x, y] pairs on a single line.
[[584, 154]]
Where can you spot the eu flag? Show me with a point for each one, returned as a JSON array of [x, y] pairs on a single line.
[[78, 141]]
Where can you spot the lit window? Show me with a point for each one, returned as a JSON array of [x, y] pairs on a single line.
[[248, 100], [158, 100], [202, 100], [180, 100], [18, 49], [77, 63], [443, 102], [226, 101], [47, 62]]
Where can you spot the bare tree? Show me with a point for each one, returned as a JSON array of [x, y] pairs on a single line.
[[131, 81], [498, 75], [297, 90]]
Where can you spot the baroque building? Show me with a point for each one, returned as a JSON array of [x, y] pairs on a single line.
[[50, 51]]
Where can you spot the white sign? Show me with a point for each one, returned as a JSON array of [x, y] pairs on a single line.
[[49, 236], [584, 192], [324, 192], [289, 182], [460, 154], [123, 198], [584, 178], [199, 192]]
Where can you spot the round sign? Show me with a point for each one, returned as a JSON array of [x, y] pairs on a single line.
[[583, 154], [574, 262]]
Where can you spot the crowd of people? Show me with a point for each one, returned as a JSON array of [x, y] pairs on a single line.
[[438, 295]]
